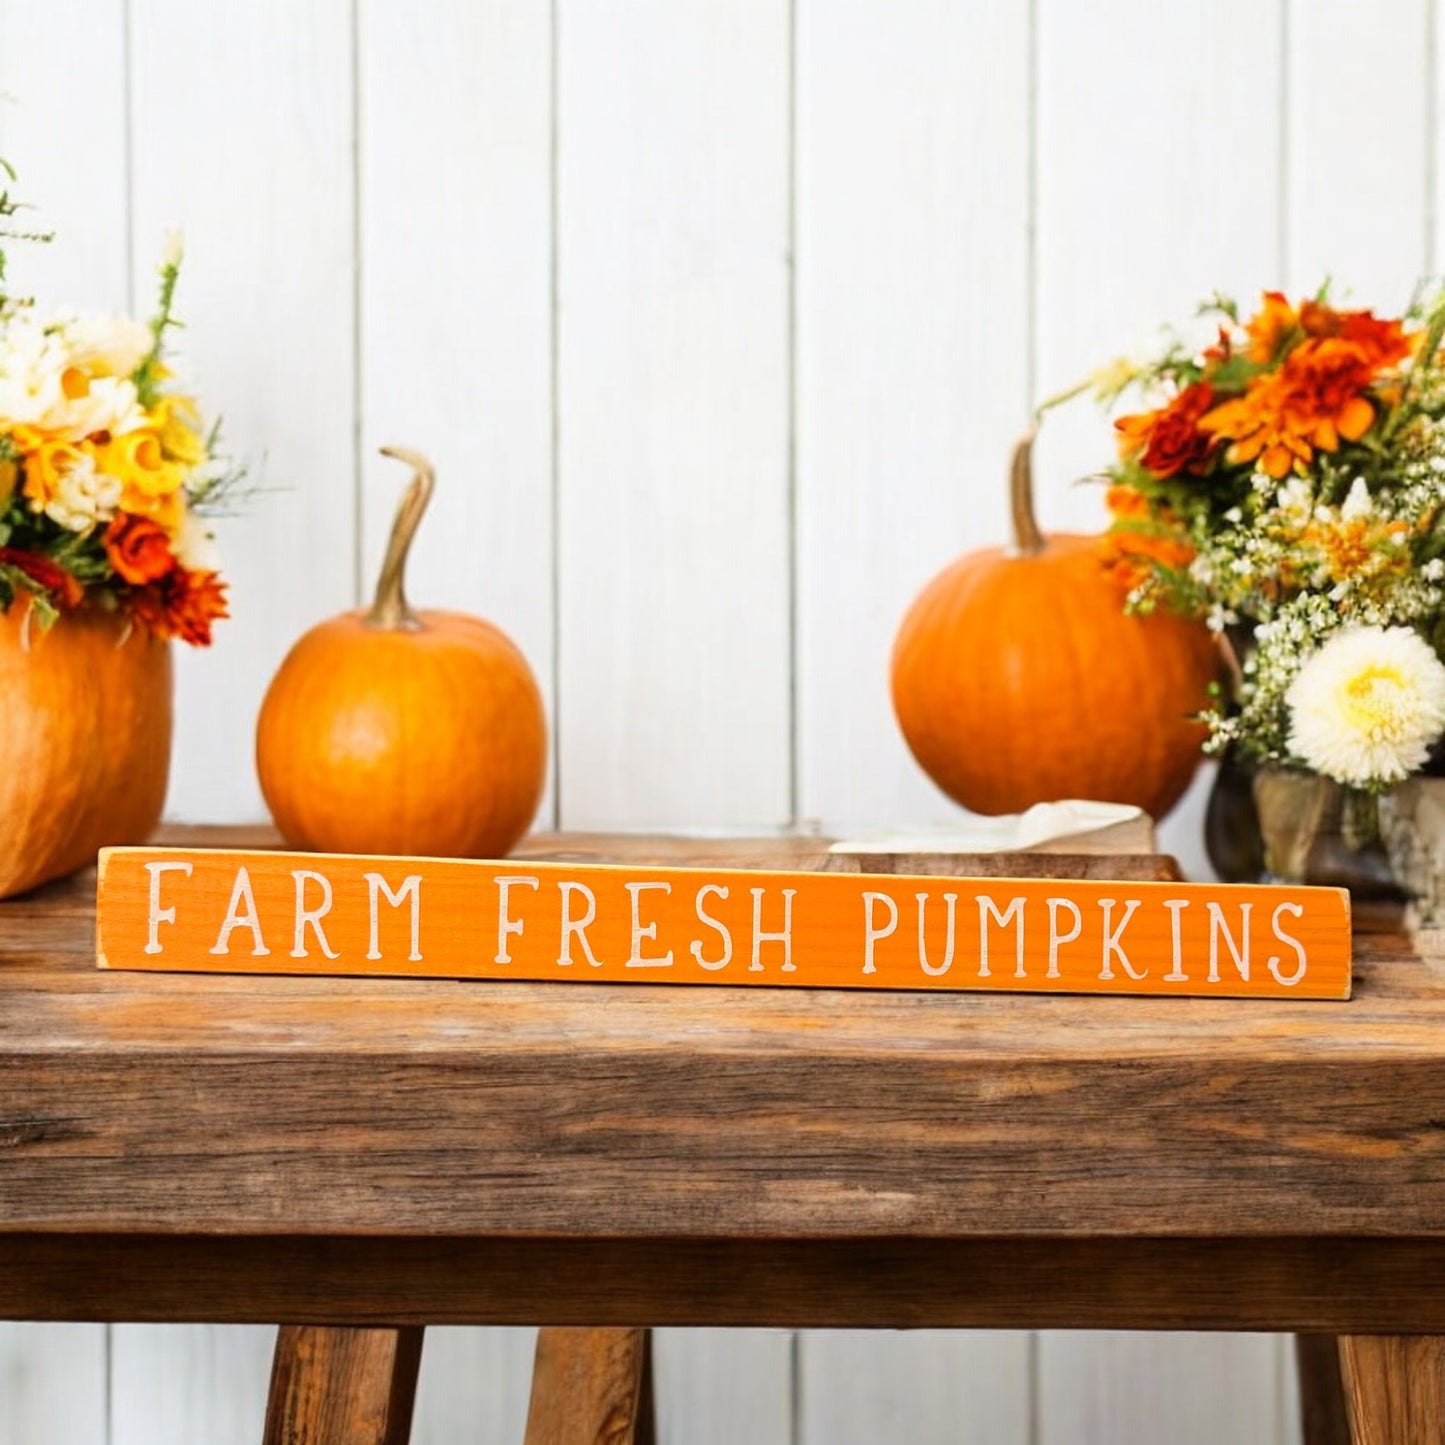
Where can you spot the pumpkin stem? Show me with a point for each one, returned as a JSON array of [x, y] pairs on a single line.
[[1028, 540], [389, 610]]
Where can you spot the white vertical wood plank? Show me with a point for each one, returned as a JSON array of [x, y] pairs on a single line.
[[456, 305], [474, 1386], [673, 413], [63, 127], [1358, 173], [912, 212], [673, 506], [1158, 182], [1136, 1389], [52, 1384], [724, 1387], [182, 1384], [912, 356], [926, 1387], [242, 136]]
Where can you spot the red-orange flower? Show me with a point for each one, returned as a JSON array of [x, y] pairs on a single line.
[[1126, 502], [1318, 397], [65, 589], [1170, 439], [182, 604], [1133, 556], [1270, 327], [1378, 343], [139, 550]]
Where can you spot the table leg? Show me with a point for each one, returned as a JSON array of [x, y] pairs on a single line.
[[1394, 1388], [342, 1386], [1322, 1393], [592, 1387]]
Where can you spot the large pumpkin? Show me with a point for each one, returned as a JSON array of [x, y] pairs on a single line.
[[1018, 678], [394, 731], [85, 740]]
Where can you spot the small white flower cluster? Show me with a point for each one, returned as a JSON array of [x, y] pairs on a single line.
[[1345, 587]]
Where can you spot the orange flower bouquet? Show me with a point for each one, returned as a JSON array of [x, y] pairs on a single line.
[[1287, 484], [107, 472]]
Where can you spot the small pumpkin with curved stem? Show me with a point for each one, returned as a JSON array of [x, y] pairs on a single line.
[[397, 731], [1018, 678]]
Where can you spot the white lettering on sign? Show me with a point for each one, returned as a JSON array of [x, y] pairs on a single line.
[[376, 887], [311, 916], [1238, 952], [159, 915], [241, 893], [1112, 937], [1301, 963], [707, 918], [950, 909], [785, 937], [871, 931], [1014, 912], [645, 932], [576, 927], [1057, 939], [505, 924], [1176, 973]]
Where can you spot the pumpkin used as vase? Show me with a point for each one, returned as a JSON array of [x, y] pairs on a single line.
[[401, 731], [1019, 678], [85, 739]]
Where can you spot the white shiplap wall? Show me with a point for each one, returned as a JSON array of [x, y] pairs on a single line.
[[718, 316]]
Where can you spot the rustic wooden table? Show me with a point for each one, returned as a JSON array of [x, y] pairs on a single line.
[[390, 1154]]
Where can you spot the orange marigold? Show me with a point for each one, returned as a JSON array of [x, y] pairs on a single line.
[[1126, 502], [1133, 556], [1316, 398], [1270, 327], [182, 604]]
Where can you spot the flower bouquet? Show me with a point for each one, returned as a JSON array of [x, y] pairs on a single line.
[[106, 477], [1286, 483]]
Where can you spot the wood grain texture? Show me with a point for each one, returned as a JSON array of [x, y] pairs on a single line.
[[242, 137], [912, 342], [1394, 1388], [334, 1386], [1314, 1286], [1323, 1420], [592, 1387], [456, 303], [961, 1116], [673, 413]]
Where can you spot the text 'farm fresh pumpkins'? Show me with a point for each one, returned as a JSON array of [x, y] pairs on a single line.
[[1018, 678], [394, 731], [85, 732]]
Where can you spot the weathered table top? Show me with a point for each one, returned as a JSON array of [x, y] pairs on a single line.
[[177, 1146]]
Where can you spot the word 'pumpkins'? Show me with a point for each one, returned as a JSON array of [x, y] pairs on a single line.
[[393, 731], [1018, 678], [85, 736]]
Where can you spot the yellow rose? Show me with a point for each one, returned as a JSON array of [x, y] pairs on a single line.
[[178, 420], [139, 460], [47, 462]]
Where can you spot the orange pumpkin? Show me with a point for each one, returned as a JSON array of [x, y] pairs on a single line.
[[394, 731], [85, 741], [1018, 678]]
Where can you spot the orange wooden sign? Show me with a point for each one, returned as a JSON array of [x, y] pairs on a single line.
[[220, 911]]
